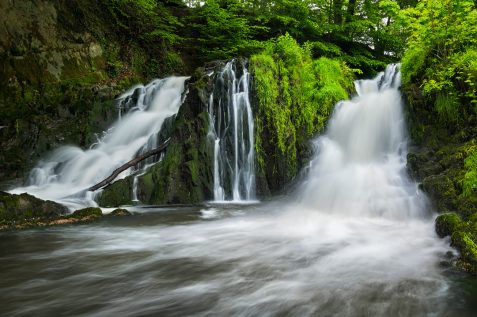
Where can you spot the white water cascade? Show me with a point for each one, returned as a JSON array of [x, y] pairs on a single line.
[[361, 165], [232, 133], [66, 174]]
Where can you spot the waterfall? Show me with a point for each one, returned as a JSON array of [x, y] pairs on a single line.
[[356, 242], [232, 134], [66, 173], [360, 168]]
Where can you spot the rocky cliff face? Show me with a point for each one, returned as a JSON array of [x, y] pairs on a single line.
[[184, 174], [63, 62]]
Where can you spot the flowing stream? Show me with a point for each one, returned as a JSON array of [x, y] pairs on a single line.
[[69, 171], [357, 241]]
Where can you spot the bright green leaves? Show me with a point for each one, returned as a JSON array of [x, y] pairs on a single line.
[[442, 51], [470, 179], [366, 34], [333, 81], [295, 94]]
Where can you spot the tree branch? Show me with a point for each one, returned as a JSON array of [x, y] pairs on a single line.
[[127, 165]]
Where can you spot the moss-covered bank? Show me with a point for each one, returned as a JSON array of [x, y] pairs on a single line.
[[439, 82], [293, 97]]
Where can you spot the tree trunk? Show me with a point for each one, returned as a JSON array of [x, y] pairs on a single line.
[[350, 10], [337, 14]]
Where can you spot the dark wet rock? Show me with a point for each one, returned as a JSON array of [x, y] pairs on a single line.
[[25, 207], [447, 223], [120, 212], [90, 213], [63, 62], [184, 175], [117, 194], [441, 190]]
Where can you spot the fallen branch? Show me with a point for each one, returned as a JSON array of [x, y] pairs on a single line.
[[127, 165]]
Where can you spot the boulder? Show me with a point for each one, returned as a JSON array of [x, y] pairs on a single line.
[[25, 207]]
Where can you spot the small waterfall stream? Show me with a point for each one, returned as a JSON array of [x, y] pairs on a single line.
[[64, 175], [232, 134]]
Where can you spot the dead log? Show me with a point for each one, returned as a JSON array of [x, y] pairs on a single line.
[[129, 164]]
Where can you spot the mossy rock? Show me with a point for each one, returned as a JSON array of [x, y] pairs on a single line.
[[447, 223], [90, 212], [120, 212], [423, 164], [25, 207], [463, 236], [441, 190], [465, 242], [117, 194]]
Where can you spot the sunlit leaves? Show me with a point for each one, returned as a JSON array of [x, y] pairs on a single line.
[[442, 51]]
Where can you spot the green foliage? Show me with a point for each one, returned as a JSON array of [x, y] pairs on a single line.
[[334, 80], [442, 53], [368, 34], [220, 32], [470, 179], [148, 20], [295, 95], [148, 31]]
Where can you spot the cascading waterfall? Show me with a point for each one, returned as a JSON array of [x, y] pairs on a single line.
[[361, 166], [358, 242], [65, 175], [232, 134]]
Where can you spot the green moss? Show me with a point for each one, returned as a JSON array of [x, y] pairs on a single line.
[[120, 212], [447, 223], [441, 190], [117, 194], [90, 212], [295, 96], [463, 235], [153, 187], [470, 178], [464, 241], [24, 207]]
